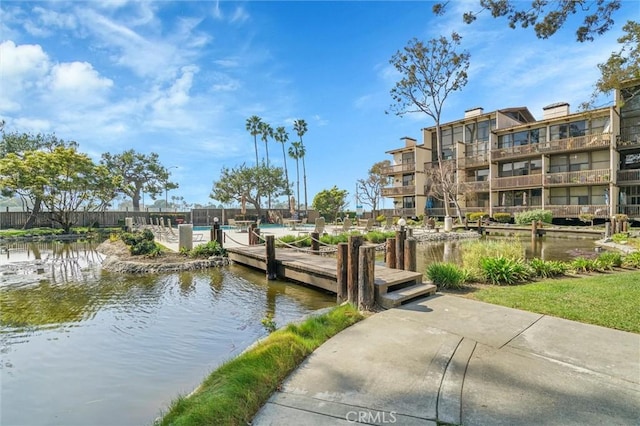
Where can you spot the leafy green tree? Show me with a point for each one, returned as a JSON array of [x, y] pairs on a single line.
[[430, 72], [251, 182], [296, 151], [253, 127], [20, 144], [547, 17], [300, 126], [65, 181], [370, 189], [139, 173], [329, 202], [621, 66], [281, 136]]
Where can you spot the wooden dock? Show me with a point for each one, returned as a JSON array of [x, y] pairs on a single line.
[[392, 286]]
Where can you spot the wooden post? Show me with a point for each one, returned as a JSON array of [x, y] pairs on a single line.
[[271, 266], [342, 256], [409, 233], [391, 253], [355, 241], [613, 225], [366, 277], [607, 229], [315, 243], [410, 254], [400, 237], [480, 226], [534, 229], [625, 226], [219, 234]]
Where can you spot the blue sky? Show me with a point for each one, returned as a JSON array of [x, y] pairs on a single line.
[[181, 78]]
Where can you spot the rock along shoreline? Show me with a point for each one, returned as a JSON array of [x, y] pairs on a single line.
[[119, 259]]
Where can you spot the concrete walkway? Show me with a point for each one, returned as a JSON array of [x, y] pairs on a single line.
[[458, 361]]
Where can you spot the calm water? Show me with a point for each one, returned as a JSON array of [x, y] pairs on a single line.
[[81, 346]]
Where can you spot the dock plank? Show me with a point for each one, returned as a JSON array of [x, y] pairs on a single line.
[[315, 270]]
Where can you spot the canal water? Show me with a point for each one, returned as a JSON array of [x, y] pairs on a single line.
[[80, 346]]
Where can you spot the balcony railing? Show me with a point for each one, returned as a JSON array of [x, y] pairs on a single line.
[[479, 160], [396, 191], [627, 176], [399, 168], [476, 186], [517, 181], [575, 143], [404, 212], [632, 210], [598, 210], [583, 177], [628, 139]]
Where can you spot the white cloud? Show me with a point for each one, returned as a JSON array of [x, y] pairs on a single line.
[[240, 15], [22, 70], [78, 79]]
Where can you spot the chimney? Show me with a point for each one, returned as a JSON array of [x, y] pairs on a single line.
[[473, 112], [408, 142], [559, 109]]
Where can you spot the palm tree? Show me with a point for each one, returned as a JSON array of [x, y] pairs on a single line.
[[282, 136], [296, 151], [253, 127], [300, 126], [266, 131]]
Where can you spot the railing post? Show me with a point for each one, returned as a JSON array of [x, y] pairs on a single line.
[[315, 242], [366, 277], [342, 256], [355, 241], [391, 253], [410, 256], [271, 266]]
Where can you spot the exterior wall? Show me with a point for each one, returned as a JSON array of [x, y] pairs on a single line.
[[574, 182]]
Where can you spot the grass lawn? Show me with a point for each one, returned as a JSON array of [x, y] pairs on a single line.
[[234, 393], [609, 300]]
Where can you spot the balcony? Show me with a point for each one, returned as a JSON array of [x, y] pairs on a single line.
[[476, 186], [525, 181], [399, 191], [404, 212], [629, 176], [628, 140], [576, 143], [477, 161], [598, 210], [399, 169], [583, 177]]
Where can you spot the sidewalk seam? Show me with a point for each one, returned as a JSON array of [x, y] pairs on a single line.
[[523, 330]]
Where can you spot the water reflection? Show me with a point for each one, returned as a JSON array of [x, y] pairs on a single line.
[[90, 346]]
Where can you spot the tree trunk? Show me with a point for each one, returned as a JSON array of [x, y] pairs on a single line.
[[37, 207]]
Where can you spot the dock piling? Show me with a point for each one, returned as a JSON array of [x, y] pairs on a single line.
[[391, 253], [366, 277], [410, 254], [271, 265], [355, 241], [342, 256]]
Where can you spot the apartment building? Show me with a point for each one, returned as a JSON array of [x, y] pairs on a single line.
[[507, 161]]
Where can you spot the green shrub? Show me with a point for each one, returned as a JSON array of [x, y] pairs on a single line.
[[212, 248], [632, 260], [526, 217], [502, 217], [445, 275], [620, 217], [501, 270], [472, 252], [476, 216], [609, 260], [547, 268], [582, 265], [141, 243], [586, 217], [378, 237], [294, 240], [620, 238], [382, 218]]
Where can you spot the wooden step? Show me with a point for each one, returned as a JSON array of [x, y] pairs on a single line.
[[398, 297]]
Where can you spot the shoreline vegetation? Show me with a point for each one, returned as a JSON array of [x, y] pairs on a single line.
[[234, 392]]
